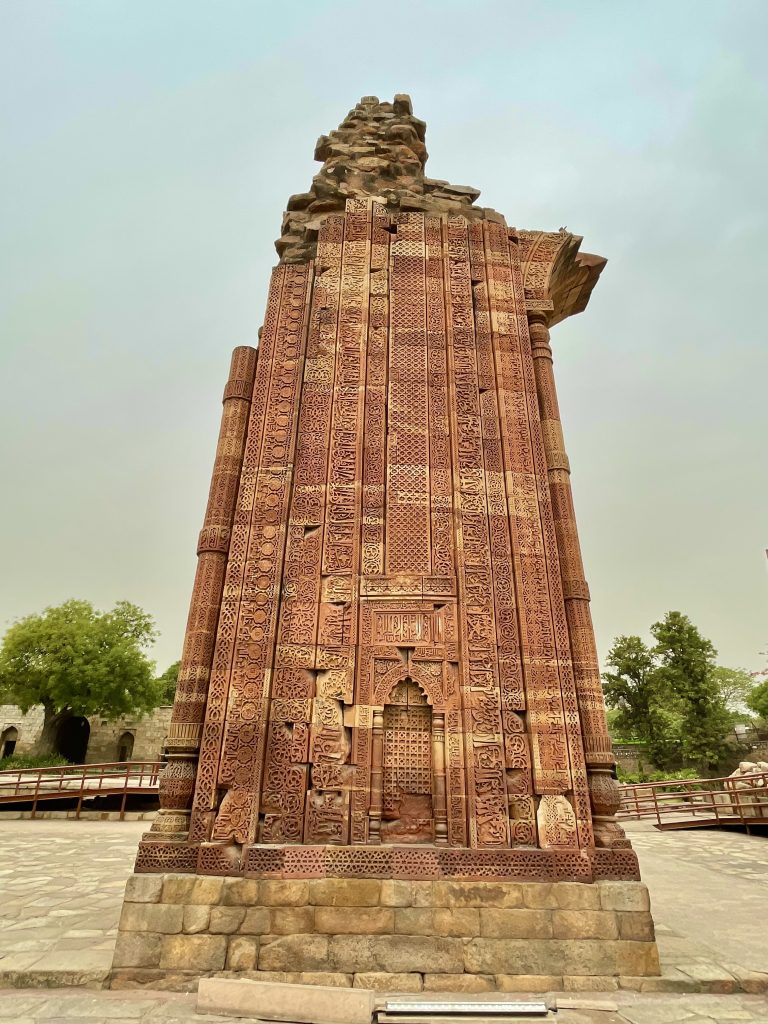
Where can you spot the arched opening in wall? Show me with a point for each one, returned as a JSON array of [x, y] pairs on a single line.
[[125, 747], [407, 810], [72, 739], [8, 739]]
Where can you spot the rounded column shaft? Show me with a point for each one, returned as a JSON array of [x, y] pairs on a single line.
[[597, 744]]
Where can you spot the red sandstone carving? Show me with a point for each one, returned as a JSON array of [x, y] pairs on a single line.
[[390, 568]]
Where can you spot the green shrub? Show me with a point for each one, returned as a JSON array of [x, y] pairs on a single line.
[[643, 775], [16, 761]]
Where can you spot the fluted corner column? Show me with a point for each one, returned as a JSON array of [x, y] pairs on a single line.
[[604, 792], [177, 781]]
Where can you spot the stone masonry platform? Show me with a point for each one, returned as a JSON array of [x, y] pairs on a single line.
[[384, 934]]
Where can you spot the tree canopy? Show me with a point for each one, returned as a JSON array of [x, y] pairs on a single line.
[[167, 683], [757, 700], [75, 660], [671, 695]]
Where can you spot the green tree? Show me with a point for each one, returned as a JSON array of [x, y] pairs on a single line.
[[167, 683], [628, 686], [669, 695], [734, 685], [757, 700], [685, 673], [644, 710], [75, 660]]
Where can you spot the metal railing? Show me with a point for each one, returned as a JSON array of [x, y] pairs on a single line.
[[79, 782], [687, 803]]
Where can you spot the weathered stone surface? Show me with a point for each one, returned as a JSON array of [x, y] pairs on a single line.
[[357, 921], [624, 896], [137, 949], [670, 980], [528, 982], [151, 917], [226, 920], [257, 921], [345, 892], [196, 919], [398, 954], [516, 924], [159, 980], [585, 924], [295, 953], [333, 978], [635, 958], [476, 894], [554, 956], [586, 983], [414, 921], [459, 983], [462, 922], [753, 982], [636, 924], [538, 896], [242, 953], [284, 893], [192, 889], [193, 952], [709, 977], [143, 888], [396, 893], [241, 892], [380, 981], [575, 896], [318, 1005], [290, 921], [351, 953]]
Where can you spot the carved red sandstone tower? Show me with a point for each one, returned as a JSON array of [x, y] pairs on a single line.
[[390, 667]]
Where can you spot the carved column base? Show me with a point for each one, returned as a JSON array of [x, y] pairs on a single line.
[[609, 835], [176, 790], [606, 800]]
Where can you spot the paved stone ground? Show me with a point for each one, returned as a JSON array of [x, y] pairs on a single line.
[[709, 893], [61, 890], [61, 886], [75, 1006]]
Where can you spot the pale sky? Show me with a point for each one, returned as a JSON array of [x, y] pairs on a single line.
[[148, 149]]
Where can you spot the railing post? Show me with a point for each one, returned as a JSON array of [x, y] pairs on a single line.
[[34, 799]]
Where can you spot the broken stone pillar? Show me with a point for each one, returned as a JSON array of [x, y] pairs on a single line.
[[398, 764]]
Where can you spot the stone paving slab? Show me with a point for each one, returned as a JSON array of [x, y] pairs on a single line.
[[61, 892], [709, 893], [72, 1006]]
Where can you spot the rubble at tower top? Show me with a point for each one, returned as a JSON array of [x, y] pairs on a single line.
[[378, 150]]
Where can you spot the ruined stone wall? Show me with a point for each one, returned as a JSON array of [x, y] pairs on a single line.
[[149, 731], [378, 151], [29, 725]]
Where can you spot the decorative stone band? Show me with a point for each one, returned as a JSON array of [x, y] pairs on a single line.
[[522, 864]]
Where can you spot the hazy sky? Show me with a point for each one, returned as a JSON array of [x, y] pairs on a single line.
[[148, 148]]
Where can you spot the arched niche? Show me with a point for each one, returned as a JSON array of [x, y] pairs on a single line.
[[8, 739], [408, 767], [125, 746]]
